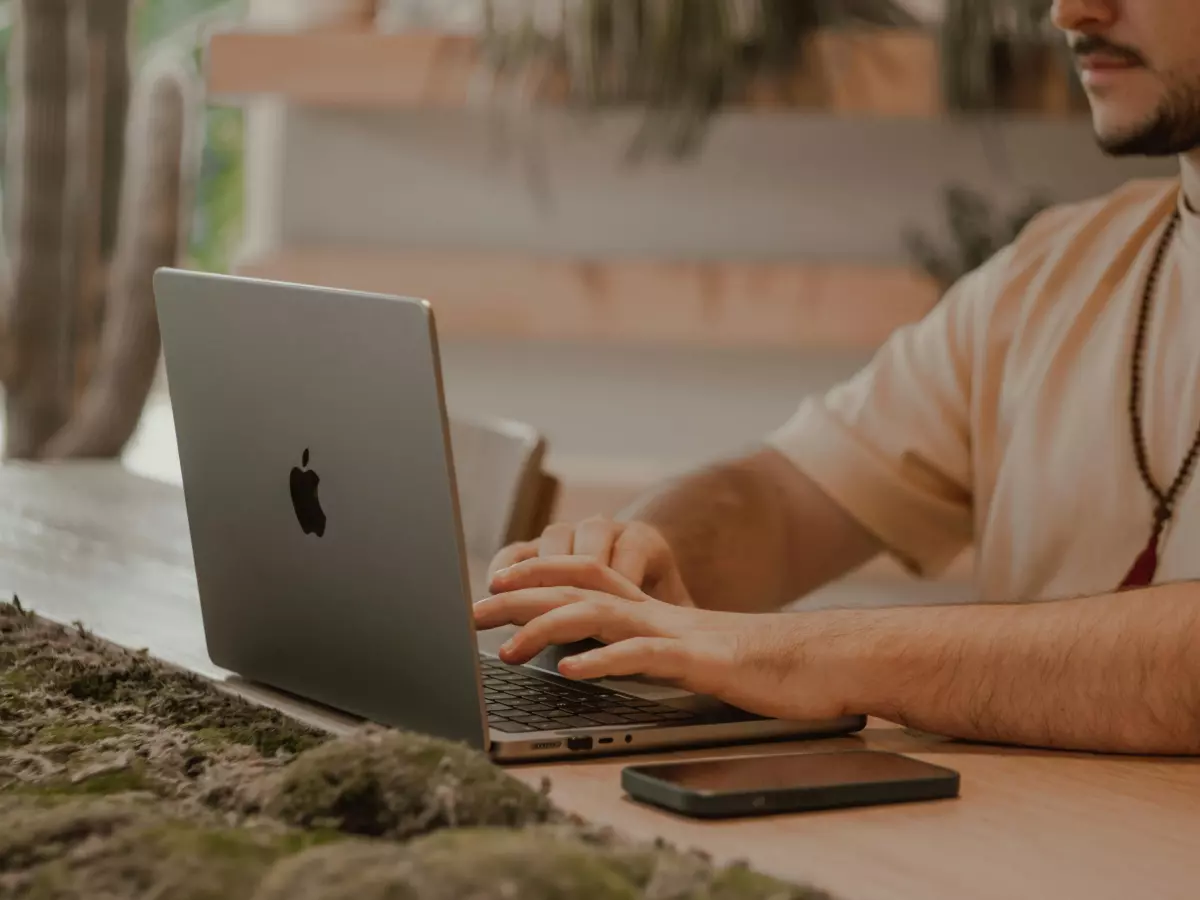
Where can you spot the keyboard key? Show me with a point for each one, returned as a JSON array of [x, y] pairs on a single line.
[[643, 718], [510, 727], [498, 707], [542, 724]]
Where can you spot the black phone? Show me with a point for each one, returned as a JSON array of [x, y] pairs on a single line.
[[792, 782]]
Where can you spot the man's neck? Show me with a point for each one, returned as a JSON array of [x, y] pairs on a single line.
[[1190, 164]]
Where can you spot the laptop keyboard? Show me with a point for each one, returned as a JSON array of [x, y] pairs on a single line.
[[523, 700]]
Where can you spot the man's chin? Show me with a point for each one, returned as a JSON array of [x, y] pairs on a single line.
[[1152, 139]]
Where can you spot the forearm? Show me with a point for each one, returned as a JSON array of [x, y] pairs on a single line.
[[1118, 673], [753, 534]]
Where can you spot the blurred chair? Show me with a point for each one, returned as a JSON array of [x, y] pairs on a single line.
[[503, 492]]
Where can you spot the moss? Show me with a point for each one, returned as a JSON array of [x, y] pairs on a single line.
[[34, 832], [18, 679], [398, 785], [739, 882], [177, 861], [74, 665], [119, 781], [268, 738], [77, 733], [121, 777], [459, 865]]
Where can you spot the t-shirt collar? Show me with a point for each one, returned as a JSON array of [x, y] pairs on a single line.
[[1189, 202]]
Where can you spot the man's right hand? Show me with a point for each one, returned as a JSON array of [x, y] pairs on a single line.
[[634, 550]]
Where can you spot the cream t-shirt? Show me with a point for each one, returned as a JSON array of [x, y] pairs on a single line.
[[1001, 420]]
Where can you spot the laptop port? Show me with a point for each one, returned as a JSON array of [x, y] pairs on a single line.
[[606, 740], [579, 743], [547, 745]]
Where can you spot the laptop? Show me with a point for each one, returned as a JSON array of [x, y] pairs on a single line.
[[319, 484]]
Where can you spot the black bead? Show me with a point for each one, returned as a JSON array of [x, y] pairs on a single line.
[[1164, 500]]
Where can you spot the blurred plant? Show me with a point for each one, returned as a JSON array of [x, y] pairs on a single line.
[[91, 217], [987, 44], [179, 27], [680, 61], [977, 234]]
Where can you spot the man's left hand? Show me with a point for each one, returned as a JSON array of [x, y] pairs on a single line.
[[764, 664]]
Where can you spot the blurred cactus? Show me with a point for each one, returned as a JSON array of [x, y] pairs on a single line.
[[680, 61], [88, 226], [977, 234]]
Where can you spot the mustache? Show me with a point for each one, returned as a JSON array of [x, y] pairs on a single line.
[[1085, 46]]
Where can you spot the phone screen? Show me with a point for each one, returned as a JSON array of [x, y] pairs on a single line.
[[793, 770]]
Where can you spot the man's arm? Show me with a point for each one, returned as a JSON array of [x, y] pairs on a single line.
[[754, 533], [1118, 673]]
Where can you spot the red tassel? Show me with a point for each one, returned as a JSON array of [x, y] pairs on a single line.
[[1144, 567]]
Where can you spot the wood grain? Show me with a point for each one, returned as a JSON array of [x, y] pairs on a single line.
[[90, 541], [711, 304]]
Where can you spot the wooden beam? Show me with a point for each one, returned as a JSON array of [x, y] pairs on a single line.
[[853, 72], [710, 304], [343, 68]]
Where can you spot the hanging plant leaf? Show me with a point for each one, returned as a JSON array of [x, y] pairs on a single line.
[[975, 234], [679, 61]]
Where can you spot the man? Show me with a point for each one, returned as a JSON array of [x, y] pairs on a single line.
[[1048, 411]]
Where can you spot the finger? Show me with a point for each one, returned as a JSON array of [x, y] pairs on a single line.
[[605, 619], [581, 572], [557, 540], [635, 550], [511, 555], [522, 607], [595, 537], [651, 657]]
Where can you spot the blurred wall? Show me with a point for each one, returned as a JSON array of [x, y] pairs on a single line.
[[766, 186]]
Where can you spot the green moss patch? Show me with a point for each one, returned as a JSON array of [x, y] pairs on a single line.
[[382, 783], [121, 777]]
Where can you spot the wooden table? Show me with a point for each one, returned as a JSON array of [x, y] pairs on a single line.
[[93, 543]]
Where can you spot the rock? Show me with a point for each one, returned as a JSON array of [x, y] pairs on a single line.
[[383, 783]]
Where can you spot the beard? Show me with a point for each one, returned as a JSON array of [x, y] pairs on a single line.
[[1174, 128]]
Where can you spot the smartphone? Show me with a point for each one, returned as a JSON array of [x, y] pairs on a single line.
[[793, 782]]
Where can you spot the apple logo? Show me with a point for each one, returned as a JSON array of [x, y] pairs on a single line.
[[304, 482]]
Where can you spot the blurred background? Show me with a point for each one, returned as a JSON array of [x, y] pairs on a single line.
[[648, 227]]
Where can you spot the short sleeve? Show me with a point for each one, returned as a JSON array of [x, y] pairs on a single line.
[[892, 445]]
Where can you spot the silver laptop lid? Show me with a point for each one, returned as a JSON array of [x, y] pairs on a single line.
[[320, 496]]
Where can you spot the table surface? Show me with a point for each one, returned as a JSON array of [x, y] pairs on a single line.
[[93, 543]]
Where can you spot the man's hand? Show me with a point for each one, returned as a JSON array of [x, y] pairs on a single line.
[[761, 663], [634, 550]]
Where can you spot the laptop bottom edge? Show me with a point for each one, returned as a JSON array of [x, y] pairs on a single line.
[[551, 745]]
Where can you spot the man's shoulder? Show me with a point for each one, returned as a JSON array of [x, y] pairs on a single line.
[[1120, 211], [1041, 281]]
